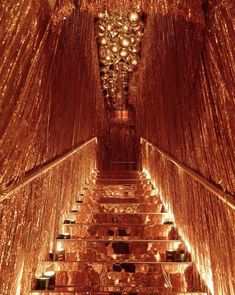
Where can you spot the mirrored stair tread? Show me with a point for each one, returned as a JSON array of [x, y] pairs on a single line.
[[120, 179], [125, 232], [121, 293], [137, 188], [121, 218], [133, 252], [116, 204], [119, 200], [118, 240], [117, 208], [120, 213], [114, 224]]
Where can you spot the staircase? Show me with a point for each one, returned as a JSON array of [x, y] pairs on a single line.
[[118, 239]]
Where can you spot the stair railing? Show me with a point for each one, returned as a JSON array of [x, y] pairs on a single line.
[[223, 196], [12, 189]]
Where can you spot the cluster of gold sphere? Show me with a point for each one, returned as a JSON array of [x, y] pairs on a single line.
[[119, 38]]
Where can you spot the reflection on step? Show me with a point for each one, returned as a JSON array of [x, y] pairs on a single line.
[[116, 239]]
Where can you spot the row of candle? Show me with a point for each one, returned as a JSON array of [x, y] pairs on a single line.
[[46, 281]]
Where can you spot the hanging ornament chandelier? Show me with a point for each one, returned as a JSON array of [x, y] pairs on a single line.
[[119, 38]]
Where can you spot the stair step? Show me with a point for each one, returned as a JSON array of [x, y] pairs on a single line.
[[89, 257], [134, 292], [101, 230], [120, 172], [104, 198], [110, 277], [121, 218], [140, 265], [113, 181], [81, 203], [122, 186], [131, 274], [118, 208], [110, 249], [118, 242]]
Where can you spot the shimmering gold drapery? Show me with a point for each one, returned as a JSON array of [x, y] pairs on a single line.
[[188, 110], [205, 222], [50, 92], [31, 219], [47, 108]]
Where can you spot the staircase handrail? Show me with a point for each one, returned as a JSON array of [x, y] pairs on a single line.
[[223, 196], [9, 191]]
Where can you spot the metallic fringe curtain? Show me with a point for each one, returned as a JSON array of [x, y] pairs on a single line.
[[32, 217], [47, 108], [186, 107], [206, 224]]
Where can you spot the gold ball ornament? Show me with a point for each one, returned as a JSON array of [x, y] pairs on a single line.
[[133, 17], [134, 62], [114, 48], [101, 15], [124, 42], [124, 53], [109, 27], [103, 41], [101, 34], [108, 58], [102, 28]]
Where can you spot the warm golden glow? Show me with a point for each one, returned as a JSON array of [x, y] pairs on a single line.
[[182, 98], [119, 36]]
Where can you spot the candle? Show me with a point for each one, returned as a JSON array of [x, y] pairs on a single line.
[[79, 201], [60, 255], [182, 256], [114, 256], [168, 221], [157, 257], [60, 252], [74, 208], [69, 221], [52, 256], [64, 236], [51, 276], [42, 283], [170, 255]]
